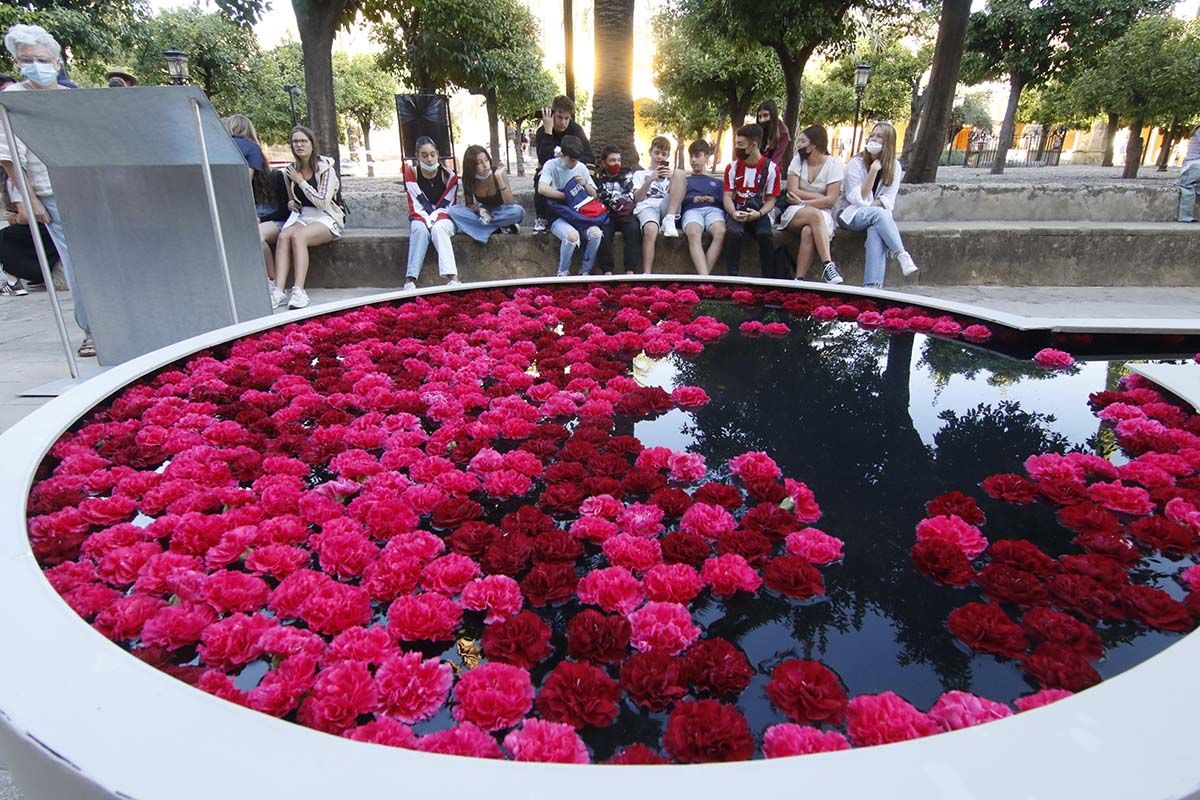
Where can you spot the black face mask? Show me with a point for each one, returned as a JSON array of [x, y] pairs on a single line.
[[741, 153]]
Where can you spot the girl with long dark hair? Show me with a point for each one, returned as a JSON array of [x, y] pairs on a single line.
[[814, 183], [316, 218], [488, 206], [775, 133]]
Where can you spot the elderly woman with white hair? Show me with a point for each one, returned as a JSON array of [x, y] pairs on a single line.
[[39, 58]]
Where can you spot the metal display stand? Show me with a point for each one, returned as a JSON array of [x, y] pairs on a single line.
[[157, 209]]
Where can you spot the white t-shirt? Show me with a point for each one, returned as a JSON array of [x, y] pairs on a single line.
[[35, 171], [655, 194], [831, 171]]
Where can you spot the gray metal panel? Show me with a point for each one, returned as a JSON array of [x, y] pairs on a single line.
[[125, 166]]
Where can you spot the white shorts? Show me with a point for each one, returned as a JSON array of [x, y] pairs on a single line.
[[313, 216], [704, 216], [790, 211], [647, 214]]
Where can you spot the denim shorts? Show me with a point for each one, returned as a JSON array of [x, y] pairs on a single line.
[[704, 216]]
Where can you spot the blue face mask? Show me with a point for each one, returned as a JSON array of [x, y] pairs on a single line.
[[39, 73]]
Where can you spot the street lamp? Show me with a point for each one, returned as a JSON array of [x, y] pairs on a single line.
[[862, 76], [176, 66], [293, 91]]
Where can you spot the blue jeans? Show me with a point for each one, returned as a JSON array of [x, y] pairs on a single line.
[[60, 242], [1189, 177], [419, 235], [566, 251], [882, 238], [467, 220]]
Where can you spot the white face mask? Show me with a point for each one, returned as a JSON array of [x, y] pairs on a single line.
[[483, 176], [874, 148], [39, 73], [429, 169]]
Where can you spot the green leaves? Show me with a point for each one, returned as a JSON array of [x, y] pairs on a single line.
[[363, 90]]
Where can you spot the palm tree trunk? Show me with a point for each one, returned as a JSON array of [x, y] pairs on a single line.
[[1015, 84], [317, 24], [612, 99], [569, 44], [939, 96]]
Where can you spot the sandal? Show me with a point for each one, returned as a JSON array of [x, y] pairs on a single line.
[[88, 348]]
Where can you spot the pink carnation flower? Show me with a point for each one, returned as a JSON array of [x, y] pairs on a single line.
[[449, 574], [690, 397], [596, 530], [632, 552], [884, 718], [602, 505], [707, 520], [672, 583], [613, 589], [815, 546], [1119, 412], [499, 595], [803, 501], [776, 330], [751, 328], [976, 333], [662, 627], [730, 574], [1049, 358], [412, 688], [755, 465], [956, 710], [870, 320], [641, 519], [424, 617], [824, 313], [946, 326], [547, 742], [1038, 699], [1190, 578], [687, 467], [493, 696], [954, 530], [461, 740], [790, 739], [1117, 497]]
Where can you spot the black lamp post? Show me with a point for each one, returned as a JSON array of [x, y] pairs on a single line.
[[862, 76], [292, 90], [176, 66]]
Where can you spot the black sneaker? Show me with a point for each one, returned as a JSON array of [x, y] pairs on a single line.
[[830, 274]]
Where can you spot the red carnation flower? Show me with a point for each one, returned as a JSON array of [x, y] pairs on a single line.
[[1156, 608], [717, 668], [807, 691], [522, 640], [597, 637], [637, 754], [653, 680], [794, 577], [1007, 584], [750, 545], [1086, 596], [1160, 533], [1023, 555], [986, 628], [943, 562], [1055, 666], [685, 548], [424, 617], [1010, 488], [1059, 628], [703, 731], [550, 584], [956, 503], [579, 695]]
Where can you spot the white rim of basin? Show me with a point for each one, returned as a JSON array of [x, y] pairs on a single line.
[[88, 708]]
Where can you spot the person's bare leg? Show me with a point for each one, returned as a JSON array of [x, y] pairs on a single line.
[[695, 233], [717, 231], [816, 221], [268, 233], [649, 239], [676, 192], [308, 236], [804, 255], [283, 257]]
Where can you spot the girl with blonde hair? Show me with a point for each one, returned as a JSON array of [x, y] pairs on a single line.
[[868, 200]]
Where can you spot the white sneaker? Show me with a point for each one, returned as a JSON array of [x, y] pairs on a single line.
[[410, 286], [907, 267], [454, 281], [278, 296], [830, 274], [299, 298], [539, 225], [668, 227]]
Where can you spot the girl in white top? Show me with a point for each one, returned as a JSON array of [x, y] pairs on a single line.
[[872, 182], [814, 182]]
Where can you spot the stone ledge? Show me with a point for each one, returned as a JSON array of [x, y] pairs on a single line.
[[949, 253]]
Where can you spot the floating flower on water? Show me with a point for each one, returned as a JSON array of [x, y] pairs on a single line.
[[1050, 358], [789, 739], [548, 742]]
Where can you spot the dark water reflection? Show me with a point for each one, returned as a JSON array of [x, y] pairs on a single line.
[[877, 425]]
